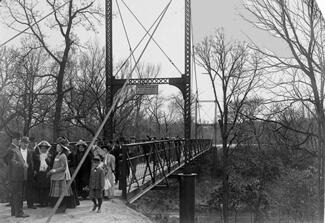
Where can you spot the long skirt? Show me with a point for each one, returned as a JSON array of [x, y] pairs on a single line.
[[42, 185], [72, 200], [58, 187], [43, 196]]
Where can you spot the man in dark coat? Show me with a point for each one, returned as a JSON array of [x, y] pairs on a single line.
[[117, 152], [17, 175], [14, 144], [29, 190]]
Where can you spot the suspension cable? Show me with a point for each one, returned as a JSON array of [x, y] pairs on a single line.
[[136, 47], [132, 53], [195, 70], [126, 34], [144, 28], [151, 36], [35, 23], [121, 94]]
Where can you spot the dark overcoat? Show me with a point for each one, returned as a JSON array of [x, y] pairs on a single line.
[[16, 171], [97, 179]]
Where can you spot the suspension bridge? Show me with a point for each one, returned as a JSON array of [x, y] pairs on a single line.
[[144, 165]]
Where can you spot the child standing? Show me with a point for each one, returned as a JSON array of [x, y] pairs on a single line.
[[96, 184]]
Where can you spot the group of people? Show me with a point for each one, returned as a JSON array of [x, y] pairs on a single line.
[[43, 173]]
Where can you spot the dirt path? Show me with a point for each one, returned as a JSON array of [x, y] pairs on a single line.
[[112, 211]]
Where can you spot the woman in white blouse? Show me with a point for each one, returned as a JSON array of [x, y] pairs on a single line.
[[42, 165]]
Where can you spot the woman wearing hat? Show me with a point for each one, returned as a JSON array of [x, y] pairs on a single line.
[[71, 201], [43, 162], [82, 179], [60, 176], [109, 167]]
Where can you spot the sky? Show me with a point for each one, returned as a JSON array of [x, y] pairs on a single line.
[[321, 5], [207, 16]]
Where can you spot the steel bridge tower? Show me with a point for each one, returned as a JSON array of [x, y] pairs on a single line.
[[183, 82]]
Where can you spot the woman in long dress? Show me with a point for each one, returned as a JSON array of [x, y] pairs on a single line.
[[72, 201], [43, 162], [60, 176], [82, 178], [109, 165]]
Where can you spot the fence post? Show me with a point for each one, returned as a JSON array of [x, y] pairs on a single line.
[[124, 172], [187, 197]]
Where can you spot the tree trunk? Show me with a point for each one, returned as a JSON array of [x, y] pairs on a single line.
[[25, 115], [58, 107], [321, 171], [319, 107], [225, 181], [30, 108], [235, 216], [60, 93], [137, 112]]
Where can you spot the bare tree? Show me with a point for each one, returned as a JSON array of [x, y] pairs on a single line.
[[8, 66], [153, 108], [86, 100], [177, 101], [36, 90], [66, 17], [25, 93], [233, 68], [301, 27], [87, 80]]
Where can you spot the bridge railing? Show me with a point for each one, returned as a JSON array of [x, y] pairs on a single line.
[[146, 164]]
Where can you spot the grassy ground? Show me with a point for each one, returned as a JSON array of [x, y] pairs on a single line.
[[173, 217]]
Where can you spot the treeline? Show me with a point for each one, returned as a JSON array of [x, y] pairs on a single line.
[[28, 97], [282, 90], [53, 83], [272, 173]]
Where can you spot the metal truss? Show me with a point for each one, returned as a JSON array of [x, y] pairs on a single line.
[[187, 73], [108, 128], [147, 164], [183, 82], [177, 82]]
